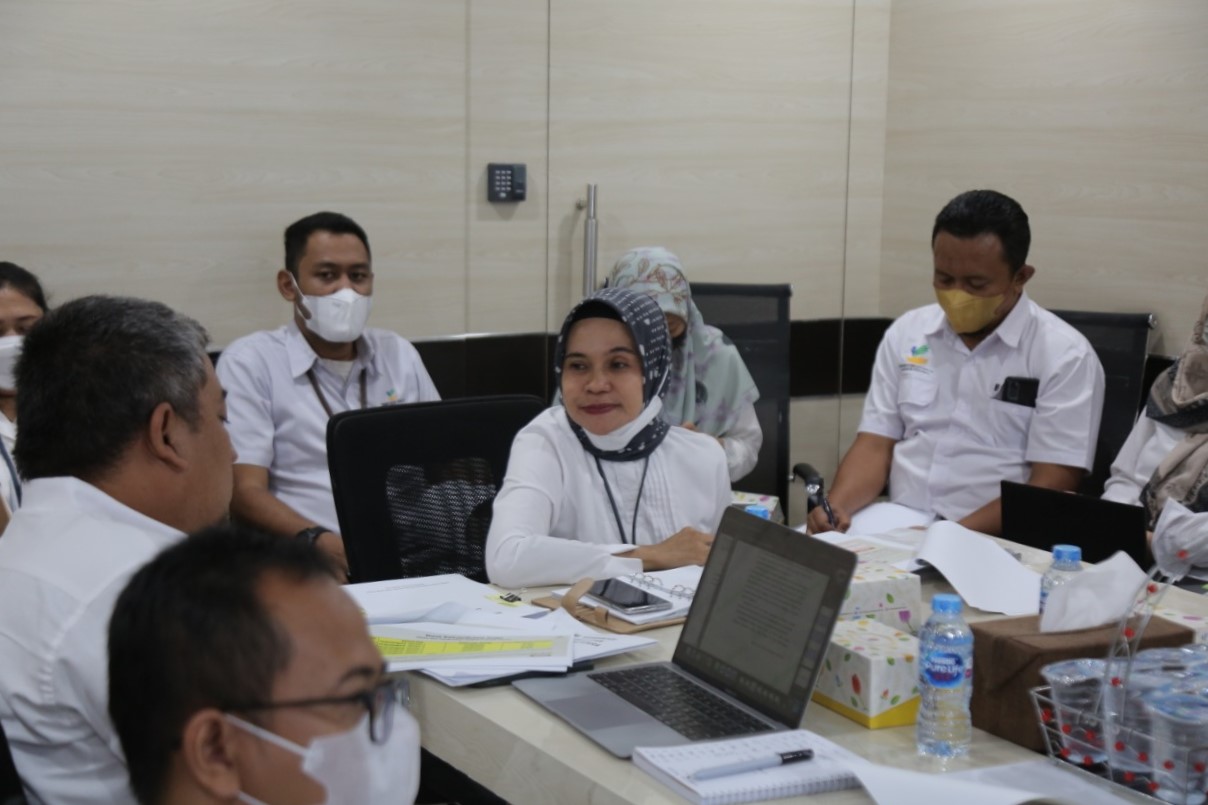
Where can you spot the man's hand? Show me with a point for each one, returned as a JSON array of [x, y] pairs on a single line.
[[332, 544], [819, 523], [685, 547]]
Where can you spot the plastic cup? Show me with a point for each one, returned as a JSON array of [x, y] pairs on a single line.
[[1076, 687], [1126, 720], [1180, 745], [1176, 662]]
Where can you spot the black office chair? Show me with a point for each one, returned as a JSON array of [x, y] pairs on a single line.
[[1121, 340], [414, 484], [11, 791], [756, 319]]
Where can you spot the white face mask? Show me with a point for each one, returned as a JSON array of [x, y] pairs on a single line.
[[350, 766], [337, 317], [10, 349], [617, 439]]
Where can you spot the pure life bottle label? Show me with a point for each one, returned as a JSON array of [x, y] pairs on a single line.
[[945, 669]]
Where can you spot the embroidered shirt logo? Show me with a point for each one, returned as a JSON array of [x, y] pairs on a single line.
[[918, 355], [391, 396]]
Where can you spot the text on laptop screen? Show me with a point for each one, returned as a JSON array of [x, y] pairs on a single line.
[[767, 627]]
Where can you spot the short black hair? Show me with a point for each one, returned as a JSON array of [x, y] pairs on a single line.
[[23, 282], [298, 234], [978, 212], [91, 373], [190, 631]]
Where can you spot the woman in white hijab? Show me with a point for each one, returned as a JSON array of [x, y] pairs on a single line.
[[709, 388], [599, 485], [1164, 463]]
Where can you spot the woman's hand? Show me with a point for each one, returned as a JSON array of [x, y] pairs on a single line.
[[685, 547]]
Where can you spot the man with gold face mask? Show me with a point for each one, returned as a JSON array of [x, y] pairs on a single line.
[[981, 387]]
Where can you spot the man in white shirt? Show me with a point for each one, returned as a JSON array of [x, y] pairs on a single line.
[[283, 385], [984, 386], [239, 669], [124, 450]]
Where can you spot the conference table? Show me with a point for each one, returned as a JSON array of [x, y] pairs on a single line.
[[527, 756]]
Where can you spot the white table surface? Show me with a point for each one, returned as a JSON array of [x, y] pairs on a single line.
[[527, 756]]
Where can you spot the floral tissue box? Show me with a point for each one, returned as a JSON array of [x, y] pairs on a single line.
[[870, 674], [884, 593]]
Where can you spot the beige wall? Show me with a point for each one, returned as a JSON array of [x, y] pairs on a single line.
[[158, 147], [1092, 113]]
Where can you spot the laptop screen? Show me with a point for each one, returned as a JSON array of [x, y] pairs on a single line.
[[762, 617]]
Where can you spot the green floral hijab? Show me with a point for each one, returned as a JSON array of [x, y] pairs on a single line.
[[709, 383]]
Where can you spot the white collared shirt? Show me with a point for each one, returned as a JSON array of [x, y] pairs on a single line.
[[1180, 529], [553, 522], [64, 558], [276, 418], [1147, 444], [9, 483], [955, 440]]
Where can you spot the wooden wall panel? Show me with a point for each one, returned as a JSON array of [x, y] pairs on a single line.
[[159, 148], [717, 129], [1092, 113], [507, 116]]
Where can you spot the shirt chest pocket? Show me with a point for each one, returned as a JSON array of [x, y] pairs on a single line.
[[917, 390], [1007, 424]]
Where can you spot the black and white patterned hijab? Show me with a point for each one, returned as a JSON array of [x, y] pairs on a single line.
[[646, 323]]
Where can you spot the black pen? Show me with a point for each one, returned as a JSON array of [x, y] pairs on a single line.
[[755, 764], [830, 513]]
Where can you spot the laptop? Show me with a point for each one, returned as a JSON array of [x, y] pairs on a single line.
[[1041, 518], [747, 658]]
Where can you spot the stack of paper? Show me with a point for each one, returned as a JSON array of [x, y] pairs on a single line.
[[462, 632]]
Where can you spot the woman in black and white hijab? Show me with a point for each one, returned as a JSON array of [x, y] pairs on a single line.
[[1164, 463], [599, 485]]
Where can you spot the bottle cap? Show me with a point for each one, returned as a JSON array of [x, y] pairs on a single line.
[[946, 603], [758, 511], [1067, 553]]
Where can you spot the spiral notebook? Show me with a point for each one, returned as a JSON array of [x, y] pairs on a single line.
[[677, 586], [828, 771]]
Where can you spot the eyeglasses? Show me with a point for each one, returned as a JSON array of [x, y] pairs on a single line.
[[379, 702]]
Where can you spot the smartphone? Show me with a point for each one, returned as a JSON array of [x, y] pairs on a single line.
[[624, 597]]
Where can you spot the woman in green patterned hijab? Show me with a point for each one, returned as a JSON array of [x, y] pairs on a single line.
[[709, 388]]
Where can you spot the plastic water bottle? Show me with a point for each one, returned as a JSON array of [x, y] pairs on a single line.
[[945, 727], [1067, 560]]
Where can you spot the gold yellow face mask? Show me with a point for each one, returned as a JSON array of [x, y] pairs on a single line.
[[968, 313]]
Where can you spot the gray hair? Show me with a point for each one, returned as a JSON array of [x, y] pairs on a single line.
[[90, 374]]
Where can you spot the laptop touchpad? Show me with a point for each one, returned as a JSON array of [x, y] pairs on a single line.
[[599, 712]]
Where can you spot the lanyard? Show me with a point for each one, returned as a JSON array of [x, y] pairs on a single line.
[[616, 513], [314, 384]]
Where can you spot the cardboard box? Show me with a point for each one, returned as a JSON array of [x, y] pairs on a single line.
[[886, 594], [1009, 653], [870, 674]]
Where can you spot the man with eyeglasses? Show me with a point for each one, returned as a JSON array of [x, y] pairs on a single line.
[[239, 670]]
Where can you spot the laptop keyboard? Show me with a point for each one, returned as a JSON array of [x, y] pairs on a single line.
[[685, 707]]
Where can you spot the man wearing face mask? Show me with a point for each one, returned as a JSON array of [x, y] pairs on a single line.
[[240, 671], [984, 386], [284, 385]]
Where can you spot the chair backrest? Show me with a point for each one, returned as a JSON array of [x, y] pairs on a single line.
[[756, 319], [414, 484], [1121, 340], [11, 791]]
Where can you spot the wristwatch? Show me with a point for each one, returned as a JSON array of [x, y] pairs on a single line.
[[310, 535]]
